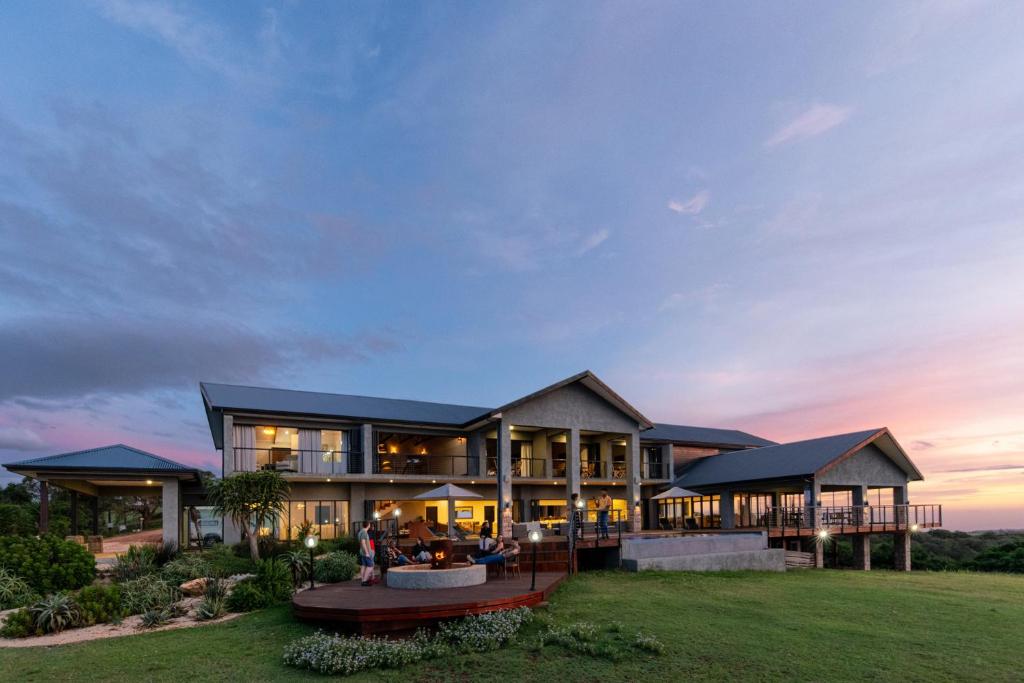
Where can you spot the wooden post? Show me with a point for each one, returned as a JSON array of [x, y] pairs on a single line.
[[44, 507]]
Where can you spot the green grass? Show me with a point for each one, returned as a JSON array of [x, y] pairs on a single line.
[[811, 625]]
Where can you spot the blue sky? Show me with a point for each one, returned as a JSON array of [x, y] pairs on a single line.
[[791, 218]]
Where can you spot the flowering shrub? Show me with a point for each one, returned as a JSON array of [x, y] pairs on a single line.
[[485, 631], [648, 642], [585, 638], [344, 656]]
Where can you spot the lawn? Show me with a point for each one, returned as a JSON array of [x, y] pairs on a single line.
[[812, 625]]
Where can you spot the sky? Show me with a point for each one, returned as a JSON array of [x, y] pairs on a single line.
[[795, 219]]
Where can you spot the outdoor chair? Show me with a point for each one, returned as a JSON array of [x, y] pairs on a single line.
[[510, 566], [690, 523]]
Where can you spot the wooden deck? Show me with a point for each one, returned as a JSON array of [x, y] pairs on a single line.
[[377, 609]]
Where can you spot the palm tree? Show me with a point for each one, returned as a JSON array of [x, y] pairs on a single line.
[[250, 500]]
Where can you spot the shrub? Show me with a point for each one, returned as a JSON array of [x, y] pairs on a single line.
[[223, 562], [48, 563], [20, 624], [148, 593], [138, 561], [164, 553], [156, 617], [216, 589], [649, 643], [55, 612], [298, 562], [16, 520], [100, 605], [274, 579], [347, 544], [347, 655], [210, 608], [247, 596], [335, 567], [185, 568], [14, 591]]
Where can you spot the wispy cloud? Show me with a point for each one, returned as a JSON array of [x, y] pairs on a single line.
[[813, 122], [593, 241], [692, 206], [19, 439], [195, 40]]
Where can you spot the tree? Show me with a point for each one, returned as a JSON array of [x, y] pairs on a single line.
[[250, 500]]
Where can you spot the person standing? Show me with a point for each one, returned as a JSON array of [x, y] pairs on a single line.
[[604, 506], [365, 555]]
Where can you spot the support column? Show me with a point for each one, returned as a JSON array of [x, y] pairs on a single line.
[[634, 513], [862, 551], [356, 503], [74, 513], [726, 511], [369, 449], [228, 450], [859, 495], [94, 508], [44, 507], [901, 551], [900, 498], [171, 511], [572, 465], [504, 473], [474, 446], [667, 465]]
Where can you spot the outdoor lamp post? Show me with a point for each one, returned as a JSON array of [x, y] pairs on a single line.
[[311, 542], [535, 537]]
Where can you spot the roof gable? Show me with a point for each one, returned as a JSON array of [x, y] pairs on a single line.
[[797, 459], [116, 457], [589, 380]]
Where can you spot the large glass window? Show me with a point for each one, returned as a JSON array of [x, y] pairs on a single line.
[[328, 517], [690, 513], [331, 447]]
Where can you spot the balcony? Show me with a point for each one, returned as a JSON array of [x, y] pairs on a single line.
[[301, 461], [806, 521], [655, 470], [419, 464], [523, 468]]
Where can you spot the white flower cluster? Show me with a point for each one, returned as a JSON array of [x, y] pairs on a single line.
[[340, 655]]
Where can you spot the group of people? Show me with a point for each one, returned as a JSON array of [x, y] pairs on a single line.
[[367, 551]]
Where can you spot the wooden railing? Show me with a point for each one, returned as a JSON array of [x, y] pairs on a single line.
[[840, 519]]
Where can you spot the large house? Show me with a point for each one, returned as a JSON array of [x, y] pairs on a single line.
[[350, 458]]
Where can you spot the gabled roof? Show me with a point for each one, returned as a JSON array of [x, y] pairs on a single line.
[[590, 381], [118, 458], [797, 459], [703, 436]]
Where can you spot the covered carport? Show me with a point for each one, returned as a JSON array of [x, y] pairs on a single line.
[[117, 470]]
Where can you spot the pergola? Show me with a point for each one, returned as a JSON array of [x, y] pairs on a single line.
[[117, 470]]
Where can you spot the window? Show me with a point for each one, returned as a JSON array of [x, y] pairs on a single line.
[[331, 446], [329, 518]]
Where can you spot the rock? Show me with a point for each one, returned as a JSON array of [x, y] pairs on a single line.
[[194, 588]]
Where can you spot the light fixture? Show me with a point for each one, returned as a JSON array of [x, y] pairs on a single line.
[[914, 527], [391, 481], [472, 482], [398, 512], [580, 504], [535, 536], [311, 542], [149, 482], [823, 534], [270, 431], [376, 514], [433, 481], [328, 479], [460, 439], [392, 449]]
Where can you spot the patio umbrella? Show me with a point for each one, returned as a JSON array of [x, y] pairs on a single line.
[[451, 493], [675, 492]]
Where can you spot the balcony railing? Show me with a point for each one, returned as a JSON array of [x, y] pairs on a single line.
[[422, 465], [655, 470], [305, 461], [854, 518], [522, 468]]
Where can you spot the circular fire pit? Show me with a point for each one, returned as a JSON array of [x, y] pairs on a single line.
[[423, 577]]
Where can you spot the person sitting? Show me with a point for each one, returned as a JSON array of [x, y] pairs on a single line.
[[395, 555], [490, 552], [421, 551], [486, 531], [511, 548]]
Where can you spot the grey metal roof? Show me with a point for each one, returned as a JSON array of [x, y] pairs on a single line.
[[702, 435], [287, 401], [117, 457], [797, 459]]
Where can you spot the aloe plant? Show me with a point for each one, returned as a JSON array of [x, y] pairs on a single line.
[[55, 613]]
